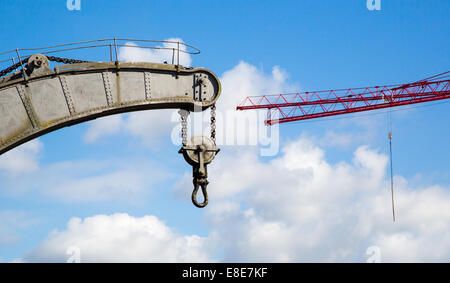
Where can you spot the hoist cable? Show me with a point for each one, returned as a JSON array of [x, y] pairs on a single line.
[[390, 158]]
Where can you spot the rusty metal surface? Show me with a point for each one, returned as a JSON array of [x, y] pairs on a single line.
[[46, 100]]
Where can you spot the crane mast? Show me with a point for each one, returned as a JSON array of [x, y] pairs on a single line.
[[317, 104]]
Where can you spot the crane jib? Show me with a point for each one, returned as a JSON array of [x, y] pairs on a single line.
[[317, 104]]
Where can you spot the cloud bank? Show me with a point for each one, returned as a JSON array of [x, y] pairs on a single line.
[[295, 208], [120, 238]]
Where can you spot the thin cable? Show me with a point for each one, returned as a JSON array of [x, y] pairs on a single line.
[[437, 77], [392, 176]]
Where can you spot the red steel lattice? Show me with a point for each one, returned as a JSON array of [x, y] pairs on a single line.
[[317, 104]]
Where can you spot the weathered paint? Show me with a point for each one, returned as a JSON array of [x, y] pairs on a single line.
[[80, 92]]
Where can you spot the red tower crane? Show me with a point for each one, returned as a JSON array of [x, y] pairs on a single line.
[[317, 104]]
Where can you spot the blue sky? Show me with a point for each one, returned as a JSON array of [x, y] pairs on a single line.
[[316, 45]]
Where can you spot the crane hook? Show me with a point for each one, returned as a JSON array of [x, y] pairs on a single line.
[[200, 182], [199, 152]]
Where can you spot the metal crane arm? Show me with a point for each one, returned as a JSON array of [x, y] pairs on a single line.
[[47, 100], [317, 104]]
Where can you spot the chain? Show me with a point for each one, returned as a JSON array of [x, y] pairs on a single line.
[[183, 114], [12, 68], [65, 60], [51, 58], [213, 122]]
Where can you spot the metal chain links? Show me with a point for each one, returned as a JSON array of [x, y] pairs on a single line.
[[183, 114], [50, 58], [65, 60], [213, 122], [11, 68]]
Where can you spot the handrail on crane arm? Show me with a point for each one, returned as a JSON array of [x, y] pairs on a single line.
[[176, 47]]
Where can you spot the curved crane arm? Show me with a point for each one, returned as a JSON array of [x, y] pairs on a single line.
[[44, 100]]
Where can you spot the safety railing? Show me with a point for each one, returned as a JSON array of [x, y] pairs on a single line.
[[109, 50]]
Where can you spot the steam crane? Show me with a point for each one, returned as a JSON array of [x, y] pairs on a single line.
[[316, 104]]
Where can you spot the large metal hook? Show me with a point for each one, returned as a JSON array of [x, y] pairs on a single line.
[[203, 182]]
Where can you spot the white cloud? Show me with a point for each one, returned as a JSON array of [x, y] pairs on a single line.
[[150, 127], [247, 80], [132, 53], [343, 140], [299, 207], [22, 159], [103, 127], [121, 238], [121, 184], [90, 181]]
